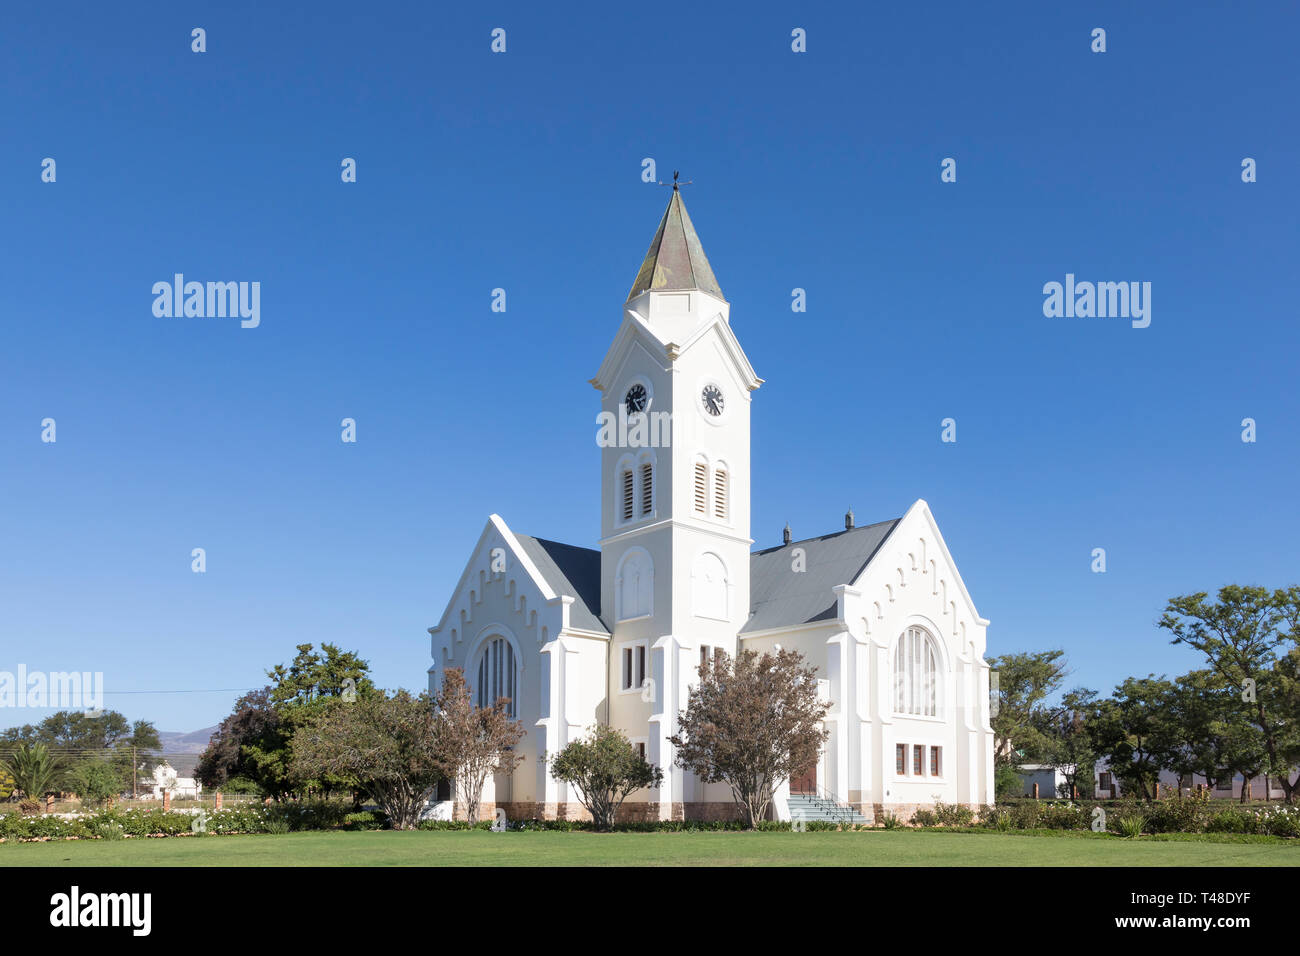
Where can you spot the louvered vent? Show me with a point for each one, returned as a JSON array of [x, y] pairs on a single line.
[[627, 495], [647, 488], [720, 493], [701, 488]]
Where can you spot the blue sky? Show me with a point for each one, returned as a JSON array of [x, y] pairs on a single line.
[[522, 171]]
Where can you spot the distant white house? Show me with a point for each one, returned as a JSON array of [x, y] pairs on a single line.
[[165, 779], [1050, 779], [1107, 784]]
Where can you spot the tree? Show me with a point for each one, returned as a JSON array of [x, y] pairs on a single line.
[[1249, 637], [253, 743], [1134, 729], [388, 744], [1021, 726], [1214, 739], [96, 782], [302, 693], [1070, 746], [605, 769], [311, 677], [34, 771], [248, 745], [76, 737], [752, 722], [473, 741]]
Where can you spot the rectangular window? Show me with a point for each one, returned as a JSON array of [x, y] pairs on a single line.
[[634, 656], [936, 761], [900, 759], [640, 751], [1103, 780], [1224, 782], [918, 760], [627, 496], [647, 488], [704, 655], [720, 494]]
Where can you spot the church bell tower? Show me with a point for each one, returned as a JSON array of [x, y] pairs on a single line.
[[675, 481]]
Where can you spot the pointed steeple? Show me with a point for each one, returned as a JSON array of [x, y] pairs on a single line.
[[676, 259]]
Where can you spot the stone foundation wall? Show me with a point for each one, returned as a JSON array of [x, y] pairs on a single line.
[[649, 812], [628, 813]]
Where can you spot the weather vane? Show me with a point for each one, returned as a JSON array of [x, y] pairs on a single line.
[[675, 183]]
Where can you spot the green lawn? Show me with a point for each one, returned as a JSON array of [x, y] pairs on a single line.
[[434, 848]]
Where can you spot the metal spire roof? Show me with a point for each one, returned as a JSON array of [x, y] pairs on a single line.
[[675, 260]]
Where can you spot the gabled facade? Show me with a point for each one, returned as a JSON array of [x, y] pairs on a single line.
[[577, 636]]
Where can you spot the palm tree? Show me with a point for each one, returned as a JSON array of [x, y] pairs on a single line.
[[32, 768]]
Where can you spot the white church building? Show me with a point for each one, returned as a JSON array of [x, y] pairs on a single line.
[[576, 636]]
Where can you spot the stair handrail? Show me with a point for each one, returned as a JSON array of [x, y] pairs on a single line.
[[841, 809]]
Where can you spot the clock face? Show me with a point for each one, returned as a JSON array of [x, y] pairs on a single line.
[[636, 399], [711, 398]]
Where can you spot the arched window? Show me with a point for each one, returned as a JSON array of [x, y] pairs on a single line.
[[709, 584], [916, 674], [634, 586], [497, 675]]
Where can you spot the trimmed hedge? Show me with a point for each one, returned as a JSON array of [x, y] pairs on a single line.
[[136, 822], [1179, 815]]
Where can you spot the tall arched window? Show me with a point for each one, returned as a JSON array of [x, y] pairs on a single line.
[[916, 674], [497, 676], [709, 587], [634, 585]]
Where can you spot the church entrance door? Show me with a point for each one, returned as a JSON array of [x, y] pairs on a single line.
[[805, 782]]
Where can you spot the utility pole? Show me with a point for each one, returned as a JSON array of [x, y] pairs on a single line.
[[133, 765]]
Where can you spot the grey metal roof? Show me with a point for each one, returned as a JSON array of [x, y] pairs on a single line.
[[783, 597], [572, 571], [676, 258], [779, 595]]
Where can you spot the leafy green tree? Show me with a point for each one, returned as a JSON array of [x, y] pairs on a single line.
[[254, 742], [1022, 726], [248, 745], [77, 737], [1250, 636], [1135, 730], [752, 722], [388, 744], [302, 693], [605, 769], [96, 782], [1069, 744], [473, 741], [1007, 782], [1216, 739]]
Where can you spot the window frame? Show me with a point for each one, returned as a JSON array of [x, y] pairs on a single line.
[[497, 674], [917, 665], [633, 655]]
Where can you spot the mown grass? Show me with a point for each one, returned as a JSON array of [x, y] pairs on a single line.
[[478, 848]]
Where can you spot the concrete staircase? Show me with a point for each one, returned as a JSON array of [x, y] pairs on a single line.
[[813, 806]]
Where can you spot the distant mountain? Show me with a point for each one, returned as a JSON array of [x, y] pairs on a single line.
[[194, 742]]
